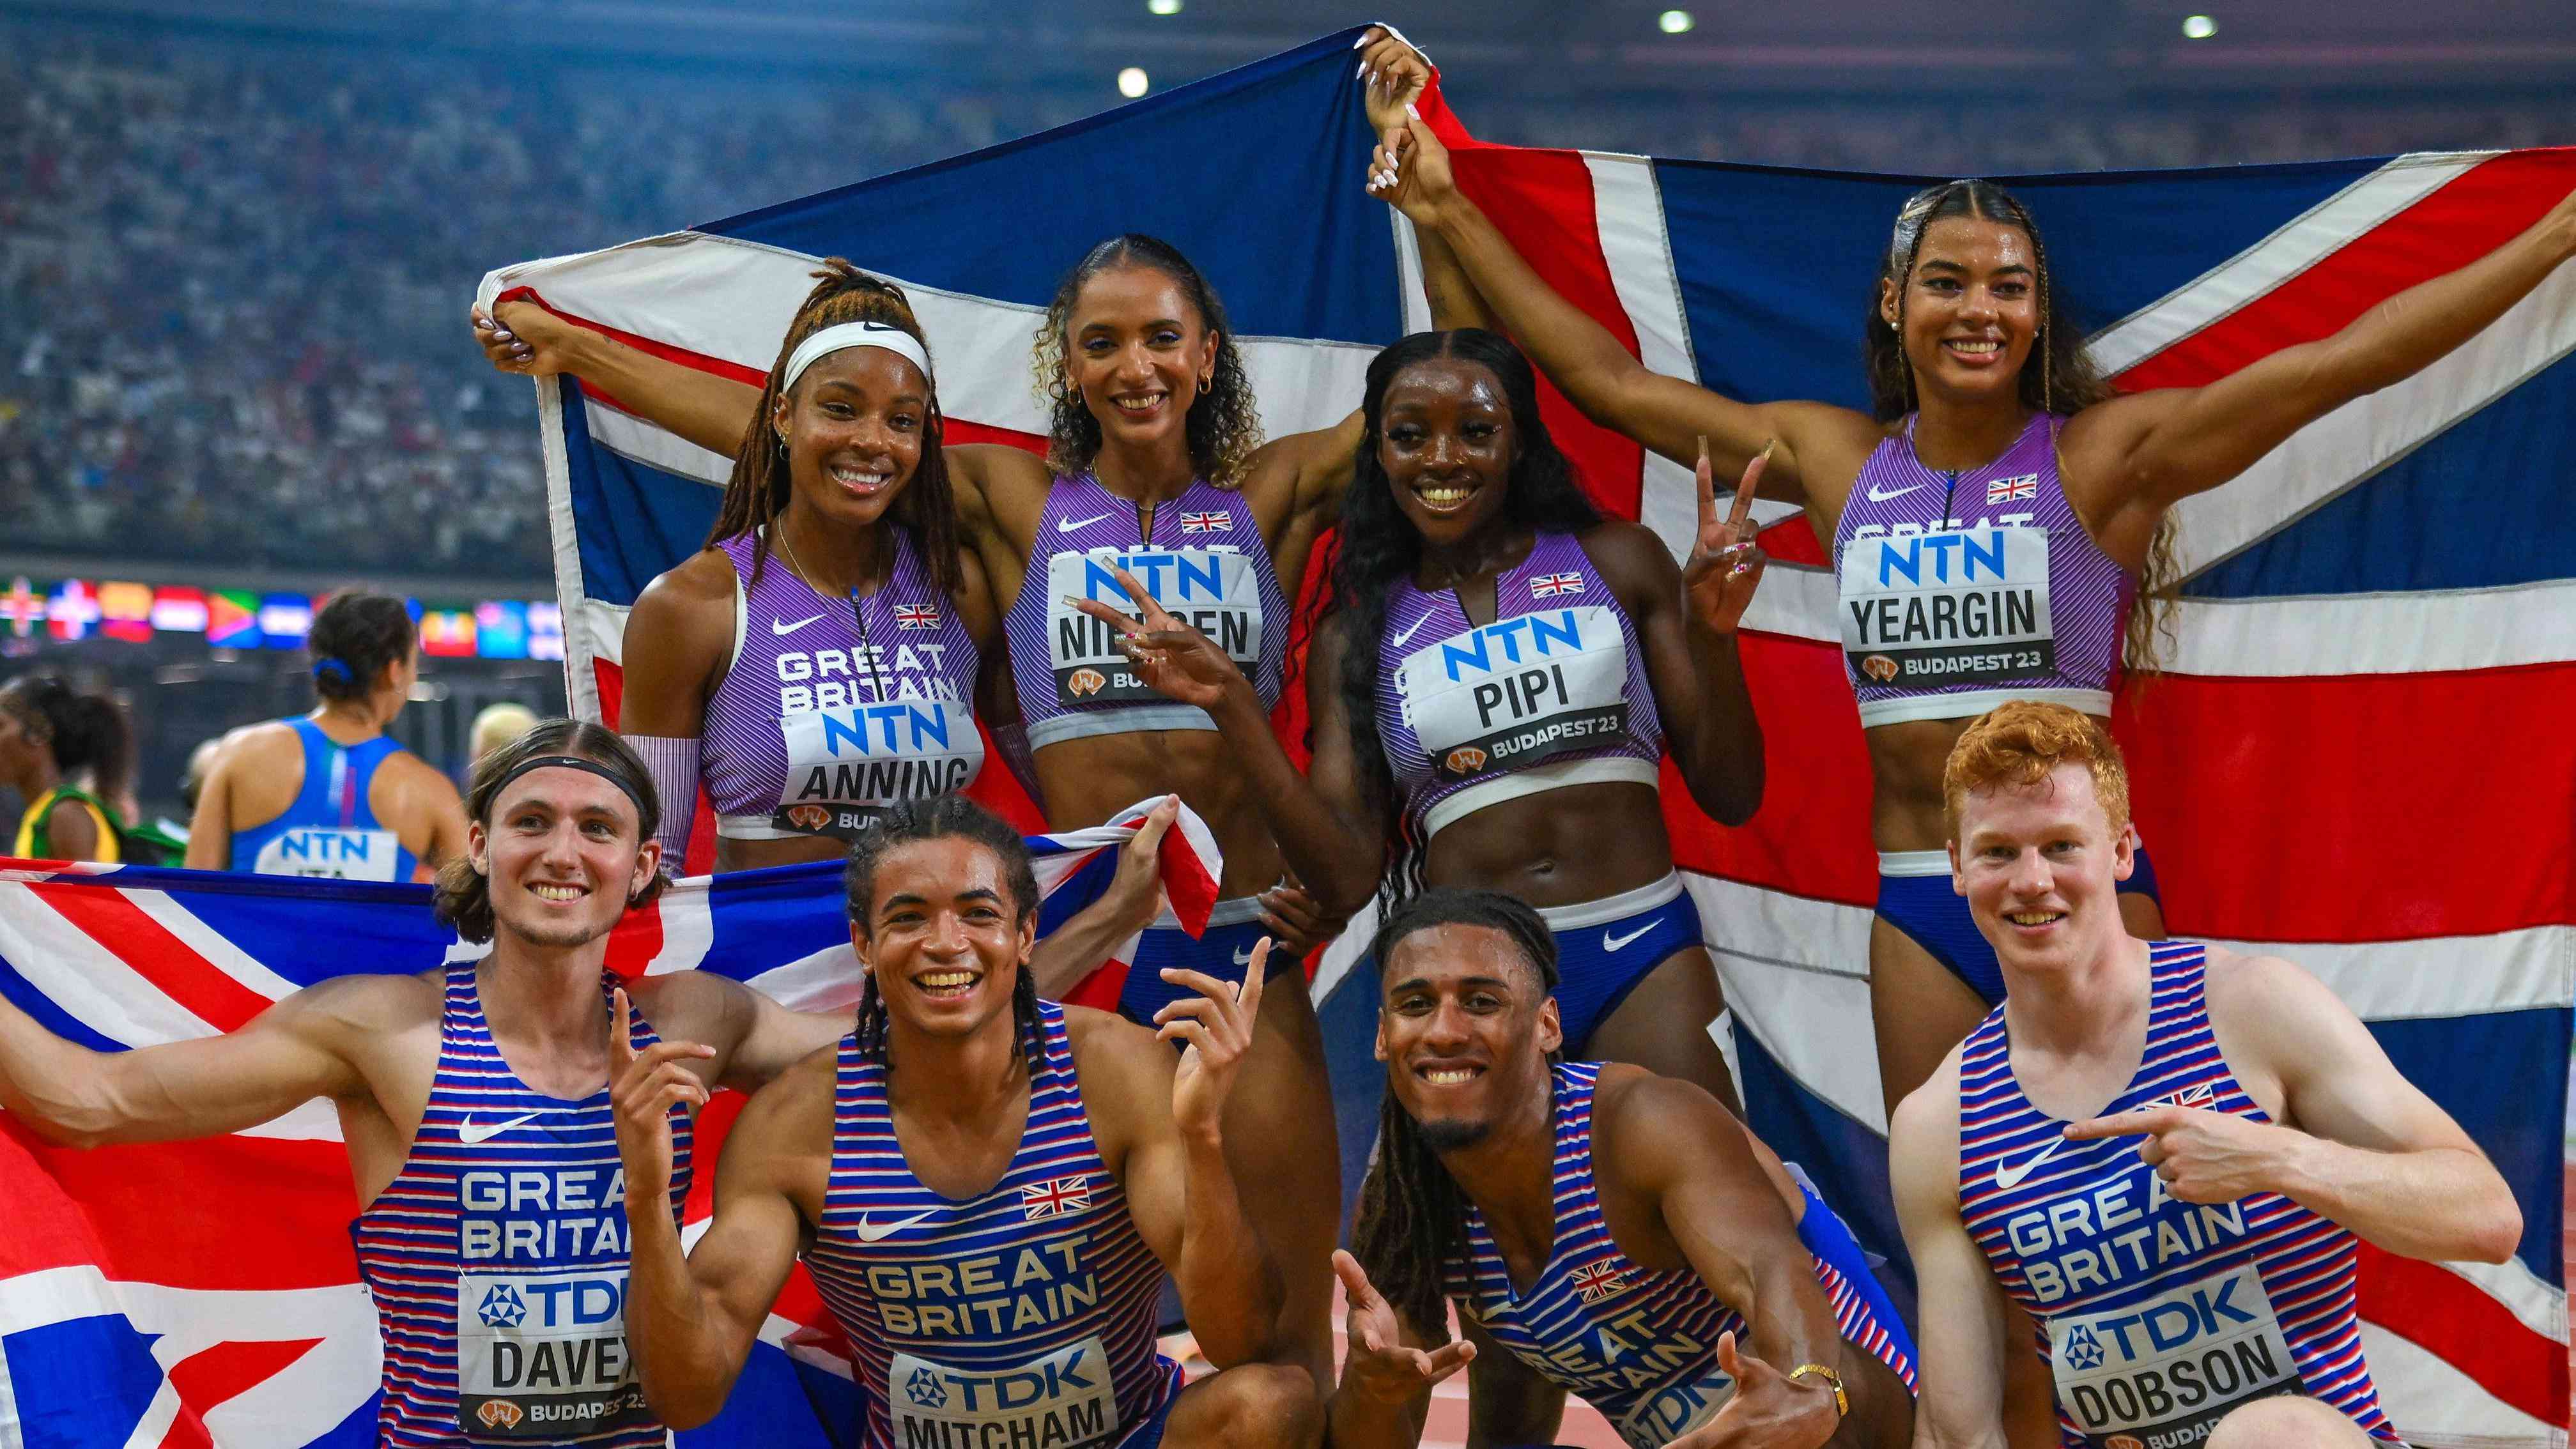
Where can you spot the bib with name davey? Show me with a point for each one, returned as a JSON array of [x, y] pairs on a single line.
[[1959, 590]]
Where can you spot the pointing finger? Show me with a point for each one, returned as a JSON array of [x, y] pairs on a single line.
[[2121, 1124], [1707, 489], [621, 1041], [1743, 508], [1248, 996]]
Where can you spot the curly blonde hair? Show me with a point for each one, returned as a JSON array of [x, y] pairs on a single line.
[[2020, 742], [1223, 425]]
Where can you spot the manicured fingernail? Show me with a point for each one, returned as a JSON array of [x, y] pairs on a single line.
[[1411, 110], [1361, 73]]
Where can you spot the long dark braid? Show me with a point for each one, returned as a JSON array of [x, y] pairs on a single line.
[[942, 817], [757, 491], [1412, 1213], [2065, 383]]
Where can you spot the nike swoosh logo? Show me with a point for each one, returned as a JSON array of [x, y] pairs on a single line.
[[2008, 1177], [1409, 633], [1068, 525], [1613, 943], [777, 628], [870, 1232], [469, 1134], [1877, 497], [1243, 957]]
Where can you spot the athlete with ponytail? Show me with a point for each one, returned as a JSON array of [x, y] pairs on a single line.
[[68, 755], [1601, 1230], [1989, 425], [330, 793]]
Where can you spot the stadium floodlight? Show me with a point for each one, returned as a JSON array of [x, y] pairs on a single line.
[[2198, 27], [1132, 82], [1163, 7], [1674, 22]]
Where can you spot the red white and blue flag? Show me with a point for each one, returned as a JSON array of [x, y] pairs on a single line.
[[1206, 522], [178, 1294], [1548, 586], [2356, 759]]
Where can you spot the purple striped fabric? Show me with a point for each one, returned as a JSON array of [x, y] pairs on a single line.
[[2157, 1314]]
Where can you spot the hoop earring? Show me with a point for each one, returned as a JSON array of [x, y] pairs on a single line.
[[1207, 381]]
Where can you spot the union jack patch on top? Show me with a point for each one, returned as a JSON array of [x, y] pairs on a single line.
[[1055, 1197], [2009, 490], [1206, 522], [1549, 585], [1596, 1281], [916, 616]]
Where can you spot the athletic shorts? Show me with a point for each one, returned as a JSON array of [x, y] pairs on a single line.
[[1605, 947], [1861, 1306], [1914, 896], [1147, 1432], [1137, 990]]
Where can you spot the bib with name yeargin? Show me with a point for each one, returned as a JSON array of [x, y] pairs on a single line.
[[1203, 559], [1957, 591], [1020, 1318], [2156, 1316], [497, 1257], [1467, 711], [833, 710]]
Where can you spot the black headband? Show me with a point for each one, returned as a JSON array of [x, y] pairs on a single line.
[[574, 762]]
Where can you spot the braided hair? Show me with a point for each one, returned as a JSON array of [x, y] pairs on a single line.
[[1412, 1212], [2065, 383], [757, 491], [1377, 547], [942, 817], [1223, 424]]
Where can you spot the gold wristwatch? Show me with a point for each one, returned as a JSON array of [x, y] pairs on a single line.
[[1834, 1381]]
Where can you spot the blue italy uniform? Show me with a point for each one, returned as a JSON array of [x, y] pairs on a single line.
[[1641, 1347], [2155, 1316], [1204, 559], [497, 1257], [330, 830], [1021, 1318]]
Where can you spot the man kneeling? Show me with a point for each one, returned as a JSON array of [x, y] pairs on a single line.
[[1602, 1230], [988, 1189]]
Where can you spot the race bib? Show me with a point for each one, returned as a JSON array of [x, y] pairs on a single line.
[[1216, 591], [542, 1356], [331, 853], [1675, 1409], [1061, 1401], [845, 767], [1517, 692], [2159, 1374], [1963, 606]]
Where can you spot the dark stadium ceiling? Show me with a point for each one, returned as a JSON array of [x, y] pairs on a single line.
[[2095, 48]]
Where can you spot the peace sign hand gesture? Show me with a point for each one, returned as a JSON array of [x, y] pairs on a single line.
[[1380, 1364], [1175, 660], [1725, 564], [1214, 1029], [643, 1087]]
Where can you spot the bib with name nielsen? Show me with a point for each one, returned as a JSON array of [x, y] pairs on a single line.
[[1215, 590]]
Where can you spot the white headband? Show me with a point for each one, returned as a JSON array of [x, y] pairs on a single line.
[[853, 334]]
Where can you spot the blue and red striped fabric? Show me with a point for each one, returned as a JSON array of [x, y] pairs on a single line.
[[205, 1293], [2375, 649]]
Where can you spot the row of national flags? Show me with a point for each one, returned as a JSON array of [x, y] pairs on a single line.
[[74, 609]]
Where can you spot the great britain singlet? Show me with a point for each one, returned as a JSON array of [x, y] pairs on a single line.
[[1960, 591], [2155, 1316], [831, 710], [497, 1257], [330, 830], [1022, 1318], [1553, 693], [1204, 560], [1639, 1346]]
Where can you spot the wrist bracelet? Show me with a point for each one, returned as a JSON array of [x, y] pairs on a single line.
[[1834, 1381]]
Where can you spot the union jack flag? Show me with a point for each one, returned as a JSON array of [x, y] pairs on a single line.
[[2009, 490], [1547, 586], [1055, 1197], [1206, 522], [1596, 1281], [916, 616]]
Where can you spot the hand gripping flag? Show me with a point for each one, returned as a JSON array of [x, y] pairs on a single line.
[[2377, 635], [204, 1293]]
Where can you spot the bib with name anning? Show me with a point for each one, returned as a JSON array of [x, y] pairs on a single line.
[[1949, 606], [845, 767], [1215, 590], [1517, 692]]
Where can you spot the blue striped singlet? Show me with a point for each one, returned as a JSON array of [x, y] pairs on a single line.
[[1205, 560], [1021, 1318], [497, 1257], [1553, 693], [330, 830], [2155, 1316], [1639, 1346]]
